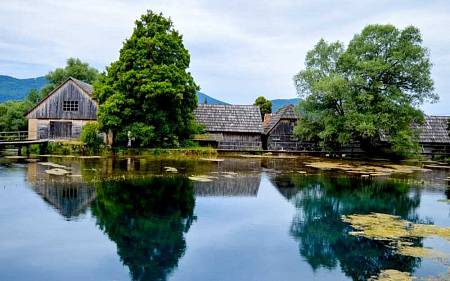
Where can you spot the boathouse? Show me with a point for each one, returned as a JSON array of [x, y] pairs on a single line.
[[63, 113], [230, 127]]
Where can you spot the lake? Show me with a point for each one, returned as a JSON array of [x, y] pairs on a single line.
[[237, 219]]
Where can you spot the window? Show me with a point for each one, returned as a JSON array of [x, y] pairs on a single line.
[[70, 105]]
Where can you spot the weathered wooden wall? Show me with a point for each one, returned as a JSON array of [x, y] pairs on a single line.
[[240, 141], [282, 137], [44, 129], [52, 107]]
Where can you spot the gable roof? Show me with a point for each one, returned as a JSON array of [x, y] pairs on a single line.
[[435, 130], [286, 112], [85, 87], [229, 118]]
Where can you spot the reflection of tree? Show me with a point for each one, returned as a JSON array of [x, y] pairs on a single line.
[[324, 239], [147, 219]]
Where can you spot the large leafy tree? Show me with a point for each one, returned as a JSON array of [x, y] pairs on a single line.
[[265, 105], [75, 68], [368, 92], [149, 91]]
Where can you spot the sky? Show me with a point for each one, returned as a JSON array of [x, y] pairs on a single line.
[[239, 49]]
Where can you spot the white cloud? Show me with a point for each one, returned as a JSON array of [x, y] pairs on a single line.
[[239, 49]]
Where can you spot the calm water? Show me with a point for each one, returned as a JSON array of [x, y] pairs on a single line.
[[128, 219]]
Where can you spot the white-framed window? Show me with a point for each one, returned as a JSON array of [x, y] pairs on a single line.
[[70, 105]]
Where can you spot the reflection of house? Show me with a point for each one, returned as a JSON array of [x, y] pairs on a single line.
[[69, 195], [285, 185], [230, 126], [239, 186], [63, 113]]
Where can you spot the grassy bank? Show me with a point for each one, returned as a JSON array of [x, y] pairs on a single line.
[[77, 148]]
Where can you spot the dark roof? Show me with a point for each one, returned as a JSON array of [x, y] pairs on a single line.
[[286, 112], [229, 118], [83, 85], [435, 130]]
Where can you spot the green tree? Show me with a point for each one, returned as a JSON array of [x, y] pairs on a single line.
[[149, 88], [265, 105], [368, 92], [75, 68]]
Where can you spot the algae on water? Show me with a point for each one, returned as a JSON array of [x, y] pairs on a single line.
[[391, 228], [398, 233], [392, 275]]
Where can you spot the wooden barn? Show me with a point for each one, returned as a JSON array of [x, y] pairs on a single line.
[[231, 127], [434, 136], [63, 113]]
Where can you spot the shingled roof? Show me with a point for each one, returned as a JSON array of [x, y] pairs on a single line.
[[83, 85], [435, 130], [286, 112], [229, 118]]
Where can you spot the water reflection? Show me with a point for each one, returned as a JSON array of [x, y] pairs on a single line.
[[147, 219], [70, 196], [323, 237], [240, 186]]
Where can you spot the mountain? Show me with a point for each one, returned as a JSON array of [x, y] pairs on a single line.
[[201, 97], [276, 104], [279, 103], [16, 89]]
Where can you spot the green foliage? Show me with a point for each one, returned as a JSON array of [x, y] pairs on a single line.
[[149, 87], [75, 68], [367, 92], [66, 148], [90, 136], [12, 116], [265, 105]]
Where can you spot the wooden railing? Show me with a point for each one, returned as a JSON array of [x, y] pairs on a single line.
[[14, 136]]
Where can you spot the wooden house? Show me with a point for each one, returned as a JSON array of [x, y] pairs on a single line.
[[434, 136], [63, 113], [231, 127], [279, 130]]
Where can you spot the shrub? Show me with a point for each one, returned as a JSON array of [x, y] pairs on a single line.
[[90, 136]]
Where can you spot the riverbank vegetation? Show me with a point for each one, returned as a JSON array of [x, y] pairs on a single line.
[[368, 92]]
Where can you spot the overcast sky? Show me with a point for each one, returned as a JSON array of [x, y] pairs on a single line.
[[239, 49]]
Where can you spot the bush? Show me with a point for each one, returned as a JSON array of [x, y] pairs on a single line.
[[90, 136]]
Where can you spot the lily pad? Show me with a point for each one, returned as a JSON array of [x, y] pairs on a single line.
[[212, 159], [202, 178], [57, 172], [53, 165], [171, 169]]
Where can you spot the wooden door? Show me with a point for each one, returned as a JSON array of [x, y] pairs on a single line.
[[60, 130]]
